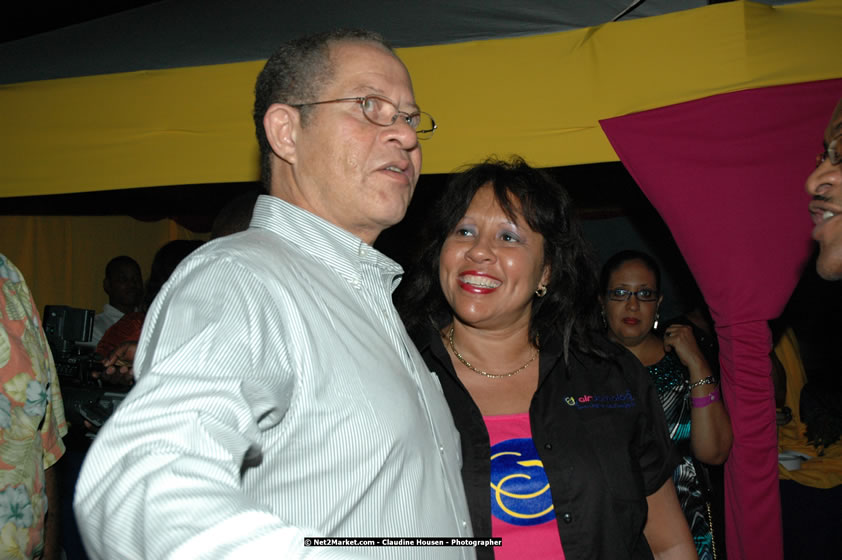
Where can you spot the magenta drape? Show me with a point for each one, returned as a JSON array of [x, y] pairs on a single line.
[[727, 173]]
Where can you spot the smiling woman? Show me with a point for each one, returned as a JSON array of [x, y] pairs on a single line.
[[502, 306], [492, 264]]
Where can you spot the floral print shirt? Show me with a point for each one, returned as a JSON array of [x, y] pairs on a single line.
[[31, 418]]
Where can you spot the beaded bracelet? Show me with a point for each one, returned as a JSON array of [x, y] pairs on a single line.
[[701, 402], [709, 380]]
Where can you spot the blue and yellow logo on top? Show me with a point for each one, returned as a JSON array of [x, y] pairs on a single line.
[[520, 490]]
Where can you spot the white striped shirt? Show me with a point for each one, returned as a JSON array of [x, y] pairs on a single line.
[[279, 397]]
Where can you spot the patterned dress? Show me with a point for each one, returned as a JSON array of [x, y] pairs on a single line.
[[672, 381]]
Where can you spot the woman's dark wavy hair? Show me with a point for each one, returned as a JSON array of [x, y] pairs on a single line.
[[569, 310], [617, 260]]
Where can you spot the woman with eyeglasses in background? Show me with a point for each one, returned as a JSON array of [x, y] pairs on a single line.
[[689, 393]]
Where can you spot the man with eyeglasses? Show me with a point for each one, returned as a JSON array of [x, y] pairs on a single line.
[[825, 185], [279, 397]]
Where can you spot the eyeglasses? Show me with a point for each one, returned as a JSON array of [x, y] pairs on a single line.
[[382, 112], [644, 294], [831, 152]]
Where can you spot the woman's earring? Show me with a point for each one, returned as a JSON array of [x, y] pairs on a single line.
[[541, 291], [604, 321], [655, 326]]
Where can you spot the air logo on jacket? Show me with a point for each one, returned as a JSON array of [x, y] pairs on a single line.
[[520, 490], [619, 400]]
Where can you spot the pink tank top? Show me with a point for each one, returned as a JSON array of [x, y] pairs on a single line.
[[521, 504]]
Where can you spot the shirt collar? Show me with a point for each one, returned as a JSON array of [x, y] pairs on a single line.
[[109, 309], [340, 250]]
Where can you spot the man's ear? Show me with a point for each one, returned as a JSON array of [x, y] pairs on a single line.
[[281, 124], [106, 286]]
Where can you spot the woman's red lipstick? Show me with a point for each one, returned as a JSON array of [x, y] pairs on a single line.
[[478, 282]]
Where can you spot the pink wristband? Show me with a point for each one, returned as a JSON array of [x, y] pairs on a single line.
[[701, 402]]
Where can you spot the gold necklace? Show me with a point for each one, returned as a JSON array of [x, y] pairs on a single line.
[[481, 372]]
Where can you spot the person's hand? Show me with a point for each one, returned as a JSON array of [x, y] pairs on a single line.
[[118, 365], [681, 339]]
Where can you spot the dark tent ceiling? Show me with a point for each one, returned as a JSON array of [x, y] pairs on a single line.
[[176, 33]]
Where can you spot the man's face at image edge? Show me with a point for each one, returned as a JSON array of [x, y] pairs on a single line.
[[825, 186]]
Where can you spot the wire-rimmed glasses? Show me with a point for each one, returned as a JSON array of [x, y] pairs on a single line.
[[382, 112]]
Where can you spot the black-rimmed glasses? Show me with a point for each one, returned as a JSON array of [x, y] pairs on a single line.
[[382, 112], [643, 294], [831, 153]]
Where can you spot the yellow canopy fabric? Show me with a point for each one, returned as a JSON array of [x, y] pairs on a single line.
[[539, 96]]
